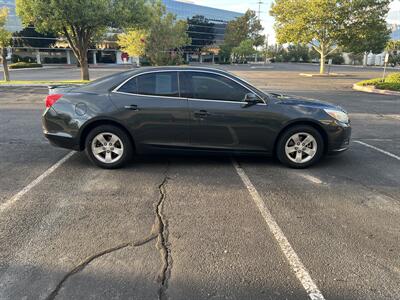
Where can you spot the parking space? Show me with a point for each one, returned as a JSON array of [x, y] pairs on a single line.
[[174, 227]]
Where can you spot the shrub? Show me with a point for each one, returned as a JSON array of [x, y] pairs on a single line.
[[23, 65], [393, 78], [374, 81], [337, 58], [391, 82], [15, 58], [393, 86]]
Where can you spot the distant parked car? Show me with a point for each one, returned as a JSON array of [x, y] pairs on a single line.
[[154, 110]]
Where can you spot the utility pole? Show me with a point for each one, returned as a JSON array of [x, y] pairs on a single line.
[[259, 8]]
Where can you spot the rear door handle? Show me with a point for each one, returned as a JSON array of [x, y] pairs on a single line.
[[201, 114], [132, 107]]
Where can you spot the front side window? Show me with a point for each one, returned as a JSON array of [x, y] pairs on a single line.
[[211, 86], [153, 84]]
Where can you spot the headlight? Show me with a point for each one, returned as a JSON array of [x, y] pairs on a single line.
[[338, 115]]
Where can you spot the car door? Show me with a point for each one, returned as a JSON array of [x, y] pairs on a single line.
[[219, 116], [151, 107]]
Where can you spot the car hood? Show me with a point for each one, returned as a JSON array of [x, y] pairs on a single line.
[[308, 102]]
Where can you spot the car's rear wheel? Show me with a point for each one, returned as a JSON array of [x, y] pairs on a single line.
[[108, 147], [300, 147]]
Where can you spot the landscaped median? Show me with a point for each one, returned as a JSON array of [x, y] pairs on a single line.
[[388, 86], [24, 65], [40, 82]]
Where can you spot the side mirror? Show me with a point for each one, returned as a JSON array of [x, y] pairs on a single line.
[[251, 98]]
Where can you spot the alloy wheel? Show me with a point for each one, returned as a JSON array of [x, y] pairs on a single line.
[[301, 147], [107, 147]]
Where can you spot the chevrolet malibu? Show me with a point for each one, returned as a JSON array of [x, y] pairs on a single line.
[[153, 110]]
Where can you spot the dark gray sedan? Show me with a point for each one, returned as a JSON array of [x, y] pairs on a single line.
[[153, 110]]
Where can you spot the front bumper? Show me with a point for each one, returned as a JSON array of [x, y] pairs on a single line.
[[339, 136]]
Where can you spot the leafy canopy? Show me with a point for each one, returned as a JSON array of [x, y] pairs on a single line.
[[244, 49], [5, 35], [246, 27], [358, 25], [87, 15], [81, 21], [133, 42], [354, 25], [166, 37]]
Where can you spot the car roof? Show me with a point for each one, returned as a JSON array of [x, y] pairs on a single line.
[[179, 68], [106, 83]]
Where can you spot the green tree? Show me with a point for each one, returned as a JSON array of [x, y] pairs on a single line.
[[298, 53], [245, 49], [366, 28], [393, 48], [5, 40], [81, 21], [247, 27], [329, 24], [161, 42], [166, 38], [23, 38], [133, 42]]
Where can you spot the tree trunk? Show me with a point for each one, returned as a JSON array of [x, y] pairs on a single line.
[[322, 63], [5, 65], [84, 66], [365, 59]]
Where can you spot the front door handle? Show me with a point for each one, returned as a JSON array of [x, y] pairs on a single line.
[[201, 114], [132, 107]]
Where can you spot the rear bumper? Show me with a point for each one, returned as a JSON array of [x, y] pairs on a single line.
[[59, 140], [58, 130]]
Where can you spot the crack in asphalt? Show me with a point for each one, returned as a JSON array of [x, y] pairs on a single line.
[[86, 262], [159, 230], [162, 244]]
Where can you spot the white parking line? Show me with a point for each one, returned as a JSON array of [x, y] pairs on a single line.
[[294, 261], [378, 149], [310, 178], [35, 182]]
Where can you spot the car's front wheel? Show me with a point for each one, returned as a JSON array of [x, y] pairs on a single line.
[[108, 147], [300, 147]]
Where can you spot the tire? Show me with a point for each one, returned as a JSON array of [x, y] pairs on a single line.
[[113, 144], [291, 142]]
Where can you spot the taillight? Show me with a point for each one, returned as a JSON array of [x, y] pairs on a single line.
[[51, 99]]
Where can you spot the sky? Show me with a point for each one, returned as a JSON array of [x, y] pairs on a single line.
[[267, 20]]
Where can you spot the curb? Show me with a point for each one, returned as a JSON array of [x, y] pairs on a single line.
[[373, 90], [324, 75], [23, 85]]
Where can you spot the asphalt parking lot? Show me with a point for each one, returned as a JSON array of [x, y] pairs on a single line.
[[203, 227]]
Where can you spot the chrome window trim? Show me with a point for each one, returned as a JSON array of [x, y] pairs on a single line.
[[224, 101], [188, 70], [152, 96]]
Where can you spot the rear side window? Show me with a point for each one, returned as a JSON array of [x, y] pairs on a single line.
[[129, 87], [153, 84], [208, 86]]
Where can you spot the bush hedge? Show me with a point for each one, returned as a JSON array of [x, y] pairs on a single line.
[[23, 65], [394, 78], [391, 82], [17, 58]]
